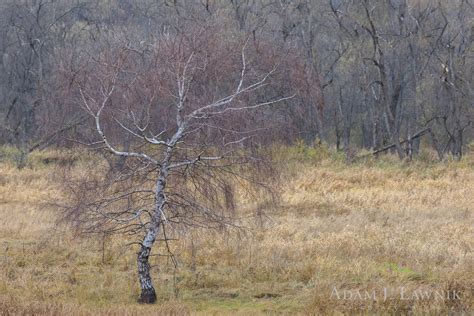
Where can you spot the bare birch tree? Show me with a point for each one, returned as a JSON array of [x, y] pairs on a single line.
[[179, 111]]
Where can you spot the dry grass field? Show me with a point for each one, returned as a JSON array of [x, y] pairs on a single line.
[[382, 233]]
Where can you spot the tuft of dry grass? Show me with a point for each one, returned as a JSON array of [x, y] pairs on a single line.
[[369, 227]]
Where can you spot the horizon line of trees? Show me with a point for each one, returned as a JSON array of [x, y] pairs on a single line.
[[376, 74]]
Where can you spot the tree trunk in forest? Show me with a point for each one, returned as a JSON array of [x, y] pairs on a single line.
[[457, 144], [337, 131]]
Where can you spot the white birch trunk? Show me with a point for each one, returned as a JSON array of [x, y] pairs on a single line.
[[148, 293]]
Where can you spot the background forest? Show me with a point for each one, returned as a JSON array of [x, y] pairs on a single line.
[[271, 151], [364, 74]]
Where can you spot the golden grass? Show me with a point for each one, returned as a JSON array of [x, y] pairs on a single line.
[[362, 227]]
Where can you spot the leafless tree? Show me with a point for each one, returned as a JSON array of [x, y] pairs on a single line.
[[366, 73], [178, 109], [34, 34]]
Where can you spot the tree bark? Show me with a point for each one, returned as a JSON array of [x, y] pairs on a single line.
[[148, 293]]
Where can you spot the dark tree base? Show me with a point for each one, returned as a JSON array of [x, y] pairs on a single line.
[[147, 297]]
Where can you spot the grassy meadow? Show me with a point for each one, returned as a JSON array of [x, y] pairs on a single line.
[[373, 226]]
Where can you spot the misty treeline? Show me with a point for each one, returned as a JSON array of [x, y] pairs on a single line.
[[383, 75]]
